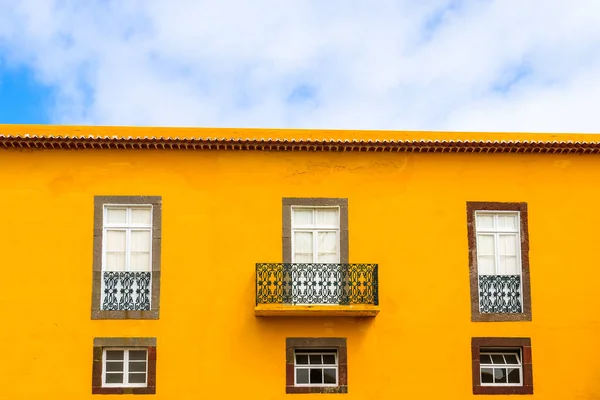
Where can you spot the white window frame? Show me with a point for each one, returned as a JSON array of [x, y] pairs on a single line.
[[492, 351], [321, 352], [497, 233], [128, 228], [315, 231], [125, 367]]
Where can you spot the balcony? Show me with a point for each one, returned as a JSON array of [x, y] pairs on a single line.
[[126, 290], [317, 290], [500, 294]]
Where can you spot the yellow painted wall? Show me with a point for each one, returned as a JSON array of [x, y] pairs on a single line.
[[222, 214]]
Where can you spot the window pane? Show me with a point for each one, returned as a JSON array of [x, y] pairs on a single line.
[[116, 215], [487, 375], [140, 261], [302, 217], [485, 245], [486, 265], [140, 240], [507, 245], [328, 247], [497, 359], [301, 376], [137, 366], [137, 354], [137, 378], [114, 378], [507, 222], [141, 216], [508, 265], [315, 359], [511, 359], [514, 375], [114, 355], [328, 218], [301, 359], [114, 366], [485, 359], [485, 221], [316, 375], [115, 261], [499, 375], [115, 240], [329, 375], [328, 358], [303, 247]]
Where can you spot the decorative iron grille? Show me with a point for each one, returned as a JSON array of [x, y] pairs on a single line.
[[281, 283], [500, 294], [126, 290]]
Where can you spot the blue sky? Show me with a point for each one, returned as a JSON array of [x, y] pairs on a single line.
[[491, 65]]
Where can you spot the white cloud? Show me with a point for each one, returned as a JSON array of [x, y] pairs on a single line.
[[503, 65]]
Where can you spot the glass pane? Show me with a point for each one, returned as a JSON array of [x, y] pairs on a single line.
[[315, 359], [141, 216], [511, 359], [114, 355], [507, 222], [327, 218], [302, 217], [329, 359], [303, 247], [301, 376], [137, 366], [137, 378], [485, 359], [137, 354], [508, 265], [485, 221], [485, 245], [301, 359], [140, 240], [486, 265], [514, 375], [327, 247], [499, 375], [497, 359], [116, 215], [115, 240], [329, 375], [507, 245], [316, 375], [140, 261], [487, 375], [114, 378], [114, 366], [115, 261]]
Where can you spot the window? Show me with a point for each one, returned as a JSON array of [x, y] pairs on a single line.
[[124, 366], [499, 261], [316, 365], [316, 235], [502, 366], [127, 238]]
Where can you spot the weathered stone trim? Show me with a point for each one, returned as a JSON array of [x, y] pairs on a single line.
[[289, 202], [498, 342], [315, 343], [99, 202], [143, 343], [477, 316]]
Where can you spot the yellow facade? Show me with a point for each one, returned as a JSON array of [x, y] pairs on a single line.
[[222, 214]]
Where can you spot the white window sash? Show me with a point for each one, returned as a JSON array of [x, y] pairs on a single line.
[[125, 367], [316, 366], [518, 366], [315, 230], [496, 233]]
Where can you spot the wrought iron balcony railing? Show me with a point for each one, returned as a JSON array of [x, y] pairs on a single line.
[[500, 294], [126, 290], [281, 283]]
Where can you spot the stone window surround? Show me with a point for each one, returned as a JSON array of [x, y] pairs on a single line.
[[477, 316], [289, 202], [292, 344], [145, 343], [99, 203], [499, 342]]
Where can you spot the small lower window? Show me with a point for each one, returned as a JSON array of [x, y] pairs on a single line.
[[125, 367], [316, 367], [500, 367]]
